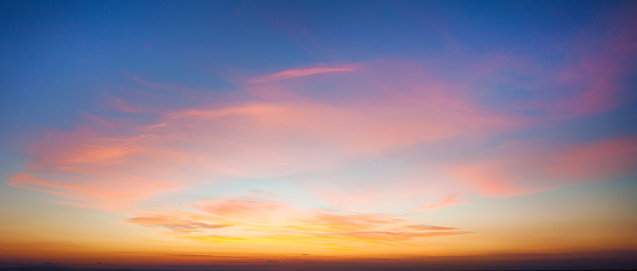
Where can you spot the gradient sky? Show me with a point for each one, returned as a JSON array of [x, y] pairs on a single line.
[[263, 133]]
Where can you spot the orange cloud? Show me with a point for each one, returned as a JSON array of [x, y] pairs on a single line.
[[175, 224], [339, 222], [430, 228], [250, 220], [388, 235]]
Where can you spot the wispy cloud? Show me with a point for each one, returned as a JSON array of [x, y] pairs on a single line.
[[450, 200], [253, 220], [175, 224], [529, 168], [430, 228], [301, 73], [108, 194]]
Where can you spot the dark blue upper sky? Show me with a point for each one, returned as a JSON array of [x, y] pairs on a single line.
[[61, 53]]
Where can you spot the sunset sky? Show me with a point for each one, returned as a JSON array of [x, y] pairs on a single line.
[[294, 135]]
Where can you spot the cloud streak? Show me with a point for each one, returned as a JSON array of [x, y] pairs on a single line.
[[450, 200], [292, 73], [253, 220], [176, 225]]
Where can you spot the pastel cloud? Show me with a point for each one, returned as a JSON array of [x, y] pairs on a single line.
[[176, 225], [528, 169], [596, 81], [430, 228], [599, 159], [450, 200], [301, 73], [593, 75], [306, 72], [252, 220], [106, 194]]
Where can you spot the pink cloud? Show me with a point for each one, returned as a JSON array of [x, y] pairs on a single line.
[[301, 73], [450, 200], [254, 210], [592, 77], [306, 72], [487, 178], [596, 81], [109, 194], [597, 160], [528, 169]]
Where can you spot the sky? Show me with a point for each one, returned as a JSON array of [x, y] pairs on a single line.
[[288, 135]]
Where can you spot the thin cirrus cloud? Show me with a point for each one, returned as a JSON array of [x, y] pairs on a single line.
[[323, 134], [176, 225], [592, 77], [300, 73], [430, 228], [450, 200], [100, 192]]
